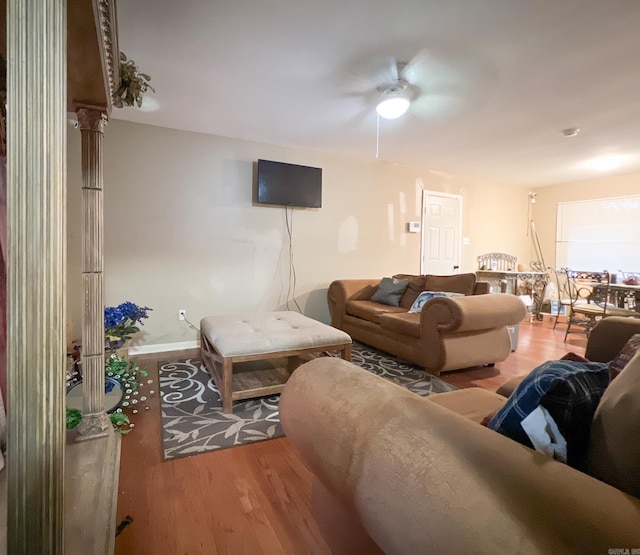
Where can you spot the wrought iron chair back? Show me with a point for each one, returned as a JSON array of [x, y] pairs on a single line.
[[628, 299], [561, 305], [589, 298]]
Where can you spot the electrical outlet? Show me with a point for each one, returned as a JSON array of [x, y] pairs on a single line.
[[182, 314]]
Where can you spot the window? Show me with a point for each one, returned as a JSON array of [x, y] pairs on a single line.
[[599, 234]]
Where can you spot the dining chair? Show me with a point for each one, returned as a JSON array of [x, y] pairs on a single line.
[[589, 298], [628, 298], [560, 294]]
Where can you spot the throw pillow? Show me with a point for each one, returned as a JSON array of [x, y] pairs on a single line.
[[614, 451], [415, 287], [428, 295], [390, 291], [624, 356], [569, 390]]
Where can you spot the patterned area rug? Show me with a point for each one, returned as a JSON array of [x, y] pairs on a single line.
[[192, 417]]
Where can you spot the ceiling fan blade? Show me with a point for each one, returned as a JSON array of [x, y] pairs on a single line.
[[393, 69], [437, 106], [369, 74], [447, 83], [425, 71]]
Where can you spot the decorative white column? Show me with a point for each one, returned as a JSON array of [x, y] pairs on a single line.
[[36, 291], [95, 421]]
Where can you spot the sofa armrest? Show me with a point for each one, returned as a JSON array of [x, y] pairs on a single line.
[[343, 290], [458, 332], [420, 478], [608, 337], [471, 313]]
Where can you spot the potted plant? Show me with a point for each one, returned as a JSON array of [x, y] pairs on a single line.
[[120, 323], [133, 84]]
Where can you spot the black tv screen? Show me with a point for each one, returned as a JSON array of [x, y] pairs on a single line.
[[285, 184]]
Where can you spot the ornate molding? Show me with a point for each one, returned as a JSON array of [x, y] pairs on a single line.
[[91, 118], [106, 23]]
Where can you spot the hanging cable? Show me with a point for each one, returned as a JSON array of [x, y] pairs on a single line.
[[291, 285]]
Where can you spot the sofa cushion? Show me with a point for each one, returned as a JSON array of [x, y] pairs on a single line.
[[390, 291], [624, 356], [427, 296], [614, 450], [474, 403], [401, 323], [457, 283], [569, 390], [415, 287], [370, 310]]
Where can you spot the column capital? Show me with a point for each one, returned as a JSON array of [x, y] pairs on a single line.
[[91, 118]]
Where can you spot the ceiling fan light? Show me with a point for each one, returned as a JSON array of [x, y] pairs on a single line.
[[393, 105]]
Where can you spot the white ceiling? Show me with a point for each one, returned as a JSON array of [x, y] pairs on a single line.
[[500, 79]]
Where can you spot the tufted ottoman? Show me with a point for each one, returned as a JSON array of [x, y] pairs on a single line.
[[231, 345]]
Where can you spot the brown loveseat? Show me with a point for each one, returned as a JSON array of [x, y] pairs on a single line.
[[397, 473], [448, 334]]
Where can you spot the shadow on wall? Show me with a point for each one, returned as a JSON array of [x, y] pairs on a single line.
[[314, 305]]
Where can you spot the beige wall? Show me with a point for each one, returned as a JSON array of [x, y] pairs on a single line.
[[544, 211], [181, 230]]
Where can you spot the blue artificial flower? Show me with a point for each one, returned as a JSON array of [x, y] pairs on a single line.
[[120, 321], [112, 317]]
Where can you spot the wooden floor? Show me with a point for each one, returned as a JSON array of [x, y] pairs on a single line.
[[256, 498]]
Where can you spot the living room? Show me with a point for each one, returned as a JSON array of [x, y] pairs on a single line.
[[182, 229], [182, 232]]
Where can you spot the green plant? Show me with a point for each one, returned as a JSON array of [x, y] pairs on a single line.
[[133, 84], [119, 420], [127, 372], [74, 417], [129, 375], [120, 323]]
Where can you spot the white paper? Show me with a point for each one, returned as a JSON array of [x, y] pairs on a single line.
[[544, 434]]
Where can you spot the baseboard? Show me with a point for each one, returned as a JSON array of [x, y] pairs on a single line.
[[163, 347]]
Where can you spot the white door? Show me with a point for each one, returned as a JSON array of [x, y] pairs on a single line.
[[441, 231]]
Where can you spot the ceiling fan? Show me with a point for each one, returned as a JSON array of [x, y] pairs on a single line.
[[395, 98], [433, 84]]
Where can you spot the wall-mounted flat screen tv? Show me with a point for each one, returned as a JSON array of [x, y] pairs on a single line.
[[285, 184]]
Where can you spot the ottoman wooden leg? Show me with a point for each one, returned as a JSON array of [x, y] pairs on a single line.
[[227, 386], [346, 352]]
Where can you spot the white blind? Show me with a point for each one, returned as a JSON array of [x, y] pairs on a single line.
[[599, 234]]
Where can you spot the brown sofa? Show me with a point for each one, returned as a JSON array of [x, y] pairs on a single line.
[[449, 333], [397, 473]]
